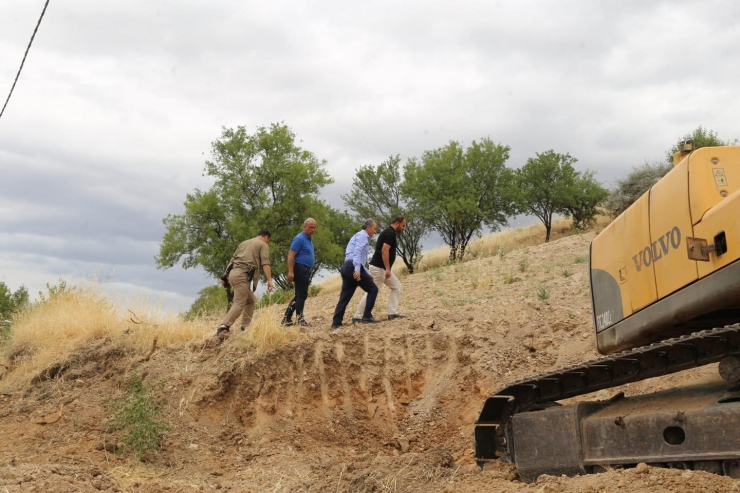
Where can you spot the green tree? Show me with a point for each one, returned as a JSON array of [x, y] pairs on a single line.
[[459, 191], [583, 198], [262, 180], [637, 182], [11, 302], [211, 300], [702, 137], [642, 178], [545, 185], [377, 193]]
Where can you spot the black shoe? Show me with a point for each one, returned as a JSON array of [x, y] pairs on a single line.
[[303, 323], [223, 330], [394, 316], [336, 326], [370, 320], [287, 323]]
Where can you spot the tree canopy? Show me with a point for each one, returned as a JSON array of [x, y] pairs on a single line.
[[543, 184], [11, 302], [636, 183], [263, 180], [702, 137], [548, 184], [377, 193], [459, 191], [642, 178]]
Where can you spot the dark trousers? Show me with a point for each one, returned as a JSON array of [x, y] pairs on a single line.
[[301, 280], [349, 286]]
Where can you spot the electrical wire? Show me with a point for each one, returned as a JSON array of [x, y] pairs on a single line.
[[24, 58]]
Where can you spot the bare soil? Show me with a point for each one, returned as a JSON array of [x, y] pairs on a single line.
[[388, 407]]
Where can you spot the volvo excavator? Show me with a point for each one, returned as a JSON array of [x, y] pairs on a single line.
[[665, 292]]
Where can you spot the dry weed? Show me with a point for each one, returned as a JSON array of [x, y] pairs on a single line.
[[265, 333], [55, 329]]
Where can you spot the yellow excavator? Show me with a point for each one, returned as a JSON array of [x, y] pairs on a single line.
[[665, 291]]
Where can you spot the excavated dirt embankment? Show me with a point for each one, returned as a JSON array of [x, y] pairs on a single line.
[[364, 408]]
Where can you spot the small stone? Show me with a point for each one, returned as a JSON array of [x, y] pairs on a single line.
[[403, 444], [193, 446]]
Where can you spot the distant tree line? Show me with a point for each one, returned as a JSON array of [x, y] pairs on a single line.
[[265, 179]]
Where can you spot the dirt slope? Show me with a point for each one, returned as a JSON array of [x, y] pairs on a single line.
[[383, 408]]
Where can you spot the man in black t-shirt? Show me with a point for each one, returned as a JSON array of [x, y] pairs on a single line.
[[380, 268]]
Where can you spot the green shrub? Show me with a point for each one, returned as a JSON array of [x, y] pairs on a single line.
[[211, 300], [523, 264], [313, 290], [567, 273], [543, 294], [501, 252], [138, 415], [277, 297], [510, 279], [580, 260]]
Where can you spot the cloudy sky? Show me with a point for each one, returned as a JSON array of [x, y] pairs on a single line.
[[118, 102]]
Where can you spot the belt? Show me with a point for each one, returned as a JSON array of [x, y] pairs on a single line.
[[302, 265]]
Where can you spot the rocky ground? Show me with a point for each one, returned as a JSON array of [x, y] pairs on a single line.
[[363, 408]]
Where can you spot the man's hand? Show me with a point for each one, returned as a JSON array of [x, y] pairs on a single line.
[[291, 276], [270, 287], [356, 275], [387, 273]]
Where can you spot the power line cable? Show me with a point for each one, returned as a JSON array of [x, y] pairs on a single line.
[[24, 58]]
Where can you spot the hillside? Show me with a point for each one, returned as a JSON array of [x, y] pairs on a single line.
[[382, 408]]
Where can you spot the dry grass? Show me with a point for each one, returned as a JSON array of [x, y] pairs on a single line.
[[265, 333], [59, 327], [493, 244]]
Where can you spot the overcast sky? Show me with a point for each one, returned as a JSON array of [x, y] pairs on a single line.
[[118, 102]]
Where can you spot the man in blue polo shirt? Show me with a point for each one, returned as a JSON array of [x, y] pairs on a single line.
[[300, 262]]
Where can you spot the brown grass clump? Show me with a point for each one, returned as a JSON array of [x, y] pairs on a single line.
[[265, 333], [58, 327]]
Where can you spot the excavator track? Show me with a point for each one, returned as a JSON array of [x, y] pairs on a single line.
[[658, 359]]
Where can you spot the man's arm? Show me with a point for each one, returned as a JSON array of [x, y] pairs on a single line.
[[268, 273], [385, 253], [291, 265], [360, 250]]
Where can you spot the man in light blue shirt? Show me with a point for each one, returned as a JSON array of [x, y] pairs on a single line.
[[355, 274]]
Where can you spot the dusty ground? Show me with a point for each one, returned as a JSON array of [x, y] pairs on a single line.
[[383, 408]]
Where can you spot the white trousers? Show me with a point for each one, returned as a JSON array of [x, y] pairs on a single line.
[[379, 279]]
